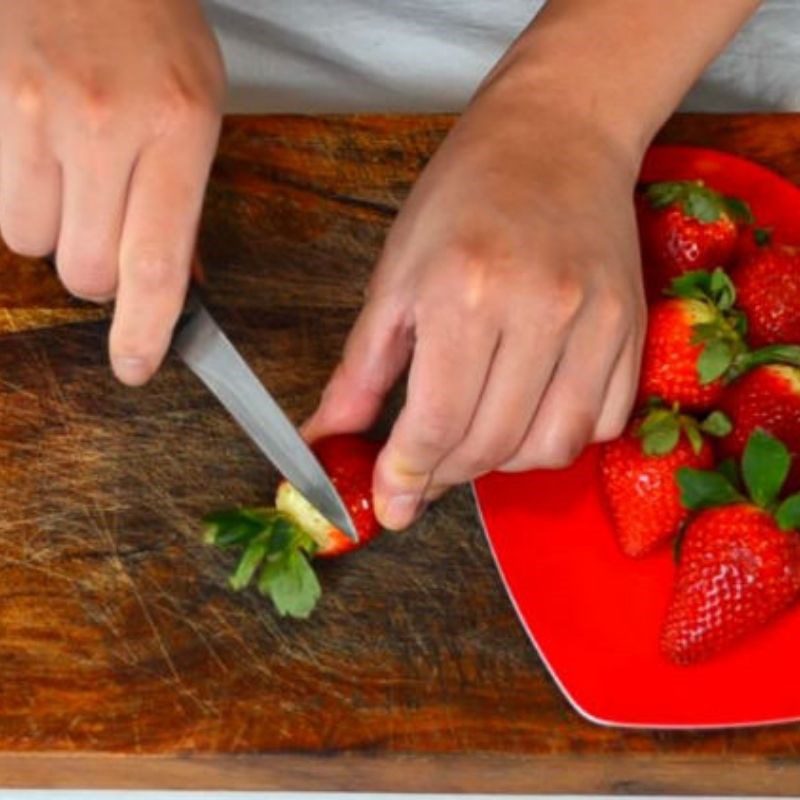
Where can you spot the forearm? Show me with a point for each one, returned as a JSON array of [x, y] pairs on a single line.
[[622, 64]]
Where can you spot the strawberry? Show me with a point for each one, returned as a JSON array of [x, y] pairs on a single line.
[[693, 340], [638, 475], [739, 558], [767, 397], [349, 461], [695, 344], [686, 226], [278, 542], [768, 288]]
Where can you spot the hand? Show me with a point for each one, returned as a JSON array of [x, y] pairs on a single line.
[[511, 282], [109, 117]]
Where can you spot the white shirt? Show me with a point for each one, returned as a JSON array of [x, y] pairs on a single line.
[[430, 55]]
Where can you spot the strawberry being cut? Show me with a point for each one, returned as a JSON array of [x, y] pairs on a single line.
[[638, 475], [739, 563], [349, 461], [278, 543], [768, 288], [686, 226]]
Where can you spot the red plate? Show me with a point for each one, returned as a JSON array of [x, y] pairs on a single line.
[[594, 615]]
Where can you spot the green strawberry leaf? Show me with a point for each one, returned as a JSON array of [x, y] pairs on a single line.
[[692, 285], [291, 583], [729, 469], [659, 432], [762, 236], [704, 489], [664, 193], [738, 210], [250, 561], [230, 527], [695, 438], [765, 465], [722, 290], [705, 332], [716, 424], [738, 321], [714, 361], [703, 205], [788, 514]]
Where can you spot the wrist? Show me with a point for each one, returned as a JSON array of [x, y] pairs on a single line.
[[526, 85]]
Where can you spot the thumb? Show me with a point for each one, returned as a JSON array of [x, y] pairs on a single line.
[[377, 351]]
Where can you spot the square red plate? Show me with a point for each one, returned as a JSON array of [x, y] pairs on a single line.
[[594, 615]]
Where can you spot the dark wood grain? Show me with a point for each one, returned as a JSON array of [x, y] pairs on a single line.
[[123, 659]]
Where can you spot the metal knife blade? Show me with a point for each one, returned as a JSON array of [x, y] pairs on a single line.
[[208, 352]]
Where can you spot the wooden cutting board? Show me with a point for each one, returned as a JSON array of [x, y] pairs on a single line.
[[124, 662]]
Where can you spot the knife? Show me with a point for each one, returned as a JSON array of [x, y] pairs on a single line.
[[208, 352]]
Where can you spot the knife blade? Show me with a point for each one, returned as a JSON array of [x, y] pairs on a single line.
[[207, 351]]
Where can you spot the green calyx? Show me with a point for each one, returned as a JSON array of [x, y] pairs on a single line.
[[764, 469], [275, 553], [661, 429], [722, 332], [725, 354], [698, 201]]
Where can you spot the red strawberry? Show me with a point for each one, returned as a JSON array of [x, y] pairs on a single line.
[[768, 289], [349, 461], [739, 560], [768, 397], [278, 542], [695, 344], [685, 226], [671, 355], [638, 475]]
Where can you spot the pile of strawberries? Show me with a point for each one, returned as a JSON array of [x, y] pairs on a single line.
[[710, 456]]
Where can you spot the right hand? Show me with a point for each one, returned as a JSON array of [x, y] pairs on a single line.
[[109, 119]]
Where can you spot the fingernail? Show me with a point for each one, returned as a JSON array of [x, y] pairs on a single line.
[[132, 371], [400, 511]]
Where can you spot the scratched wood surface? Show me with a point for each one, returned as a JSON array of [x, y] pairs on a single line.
[[123, 659]]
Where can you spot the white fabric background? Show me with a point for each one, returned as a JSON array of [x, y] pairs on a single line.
[[429, 55]]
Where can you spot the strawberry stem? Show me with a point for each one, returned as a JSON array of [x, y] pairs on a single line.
[[771, 354]]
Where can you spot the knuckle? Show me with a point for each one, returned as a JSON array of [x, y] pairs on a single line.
[[557, 456], [439, 432], [609, 430], [88, 277], [185, 104], [96, 105], [614, 310], [23, 239], [26, 95], [483, 457], [564, 298]]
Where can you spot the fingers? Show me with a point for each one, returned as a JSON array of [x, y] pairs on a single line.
[[621, 392], [451, 362], [157, 243], [520, 373], [95, 195], [376, 352], [30, 187], [567, 416]]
